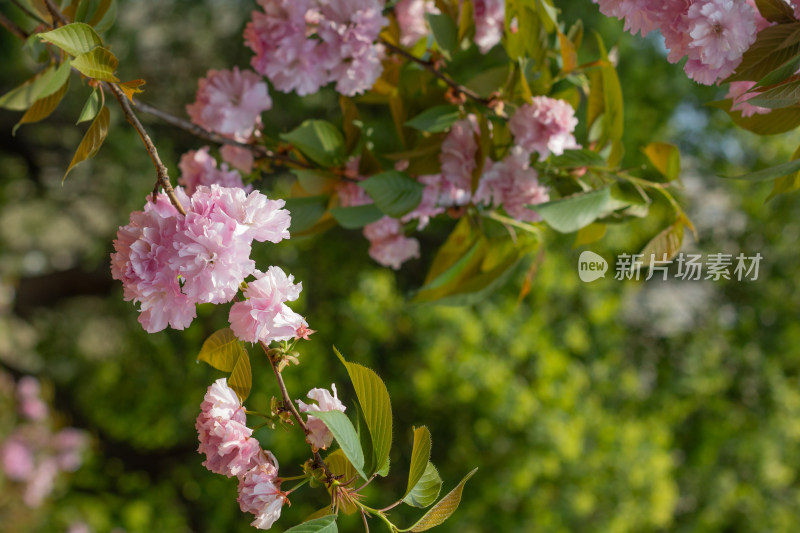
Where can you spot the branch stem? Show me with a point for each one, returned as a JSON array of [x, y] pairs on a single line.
[[430, 67], [13, 28]]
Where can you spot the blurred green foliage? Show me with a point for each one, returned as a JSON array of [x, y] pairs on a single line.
[[604, 407]]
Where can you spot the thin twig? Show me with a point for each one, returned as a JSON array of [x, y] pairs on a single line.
[[287, 402], [364, 518], [161, 169], [392, 506], [13, 28], [430, 67], [55, 13], [28, 12], [194, 129]]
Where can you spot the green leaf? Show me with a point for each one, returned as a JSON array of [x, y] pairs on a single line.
[[97, 13], [788, 183], [665, 245], [426, 489], [420, 455], [75, 39], [90, 108], [384, 470], [373, 397], [445, 32], [42, 108], [436, 119], [345, 434], [315, 181], [769, 173], [223, 351], [775, 122], [577, 159], [775, 11], [783, 95], [319, 140], [395, 193], [326, 524], [357, 216], [589, 234], [92, 140], [99, 64], [665, 157], [339, 465], [768, 52], [781, 73], [574, 212], [107, 19], [612, 96], [48, 82], [442, 510], [305, 212]]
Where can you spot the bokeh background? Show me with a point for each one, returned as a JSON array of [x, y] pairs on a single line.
[[604, 407]]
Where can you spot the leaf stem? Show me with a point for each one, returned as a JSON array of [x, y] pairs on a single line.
[[13, 28]]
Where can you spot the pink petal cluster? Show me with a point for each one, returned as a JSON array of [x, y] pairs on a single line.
[[264, 315], [428, 207], [230, 102], [490, 20], [199, 168], [301, 45], [260, 494], [411, 19], [458, 163], [224, 436], [512, 184], [32, 454], [737, 92], [320, 437], [712, 33], [544, 126], [168, 262], [238, 157], [388, 244]]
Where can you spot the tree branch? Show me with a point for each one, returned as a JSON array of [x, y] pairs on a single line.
[[55, 13], [161, 169], [28, 12], [13, 28], [430, 67], [194, 129], [287, 401]]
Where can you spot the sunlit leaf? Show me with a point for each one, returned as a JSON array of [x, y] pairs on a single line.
[[75, 39], [345, 434], [42, 108], [326, 524], [665, 245], [788, 183], [435, 119], [445, 32], [373, 397], [569, 214], [99, 64], [775, 122], [90, 108], [319, 140], [420, 455], [665, 157], [577, 159], [131, 87], [42, 85], [223, 351], [92, 140], [589, 234], [444, 508], [426, 489]]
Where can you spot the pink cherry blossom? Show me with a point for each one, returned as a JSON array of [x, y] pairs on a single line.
[[544, 126], [737, 92], [199, 168], [320, 437], [428, 206], [721, 31], [458, 163], [224, 438], [29, 399], [238, 157], [264, 316], [260, 494], [411, 19], [230, 102], [512, 183], [69, 444], [17, 458], [490, 20], [388, 244], [41, 482]]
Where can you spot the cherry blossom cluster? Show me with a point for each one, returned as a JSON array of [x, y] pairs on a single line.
[[198, 168], [33, 455], [168, 262], [545, 126], [712, 34], [302, 45], [231, 449]]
